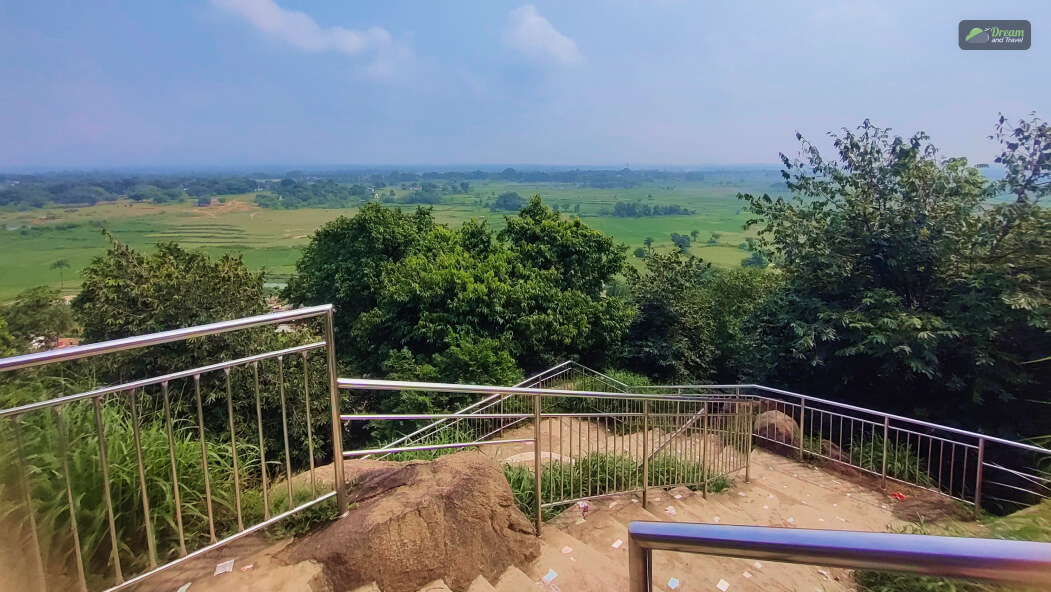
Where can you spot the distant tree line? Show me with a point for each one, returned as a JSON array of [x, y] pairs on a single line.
[[637, 209]]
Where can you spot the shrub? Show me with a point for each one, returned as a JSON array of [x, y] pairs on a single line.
[[903, 460]]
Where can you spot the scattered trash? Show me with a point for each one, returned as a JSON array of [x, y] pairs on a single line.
[[634, 501], [794, 475], [825, 573], [836, 482], [723, 585], [820, 519], [670, 510], [584, 507], [611, 504], [224, 567], [841, 519], [791, 520], [184, 587], [580, 521], [884, 506], [771, 496], [573, 559], [247, 567], [804, 502], [715, 520], [678, 496], [835, 505], [746, 575], [550, 575], [617, 543], [898, 496], [758, 565], [849, 494], [766, 507], [656, 499], [740, 493], [673, 583], [567, 550]]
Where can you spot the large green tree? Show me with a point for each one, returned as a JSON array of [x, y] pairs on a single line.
[[427, 301], [904, 288], [38, 315]]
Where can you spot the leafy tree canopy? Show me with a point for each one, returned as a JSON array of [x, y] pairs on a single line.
[[37, 313]]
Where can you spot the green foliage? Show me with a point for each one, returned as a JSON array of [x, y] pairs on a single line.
[[419, 300], [904, 459], [671, 336], [899, 280], [598, 474], [41, 444], [38, 313], [7, 341], [328, 194], [509, 201]]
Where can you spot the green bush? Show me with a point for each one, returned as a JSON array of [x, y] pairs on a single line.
[[903, 459], [599, 474]]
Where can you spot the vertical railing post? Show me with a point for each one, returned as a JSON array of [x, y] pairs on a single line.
[[886, 438], [978, 479], [704, 453], [802, 426], [645, 451], [747, 432], [537, 466], [640, 567], [337, 425]]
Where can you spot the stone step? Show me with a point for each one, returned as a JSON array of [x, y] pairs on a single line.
[[435, 586], [513, 580], [480, 584], [370, 587], [561, 569]]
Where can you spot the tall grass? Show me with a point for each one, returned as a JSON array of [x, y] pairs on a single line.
[[903, 460], [601, 474], [51, 507]]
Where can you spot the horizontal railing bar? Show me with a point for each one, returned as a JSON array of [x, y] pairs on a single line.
[[353, 453], [969, 558], [247, 531], [137, 341], [1041, 480], [1017, 488], [406, 385], [129, 386], [492, 400], [435, 416]]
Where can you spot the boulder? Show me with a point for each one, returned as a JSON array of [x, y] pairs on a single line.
[[778, 428], [411, 523]]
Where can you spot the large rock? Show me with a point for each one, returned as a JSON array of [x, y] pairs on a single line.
[[778, 428], [412, 523]]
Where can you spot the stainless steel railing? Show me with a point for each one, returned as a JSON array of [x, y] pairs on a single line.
[[77, 432], [584, 444], [1011, 562]]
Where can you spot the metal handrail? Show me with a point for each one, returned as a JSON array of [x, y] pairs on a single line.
[[137, 341], [1003, 561]]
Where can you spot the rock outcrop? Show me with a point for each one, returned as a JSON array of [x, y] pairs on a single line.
[[415, 522], [778, 428]]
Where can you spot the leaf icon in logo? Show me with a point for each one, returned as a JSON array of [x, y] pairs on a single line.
[[977, 35]]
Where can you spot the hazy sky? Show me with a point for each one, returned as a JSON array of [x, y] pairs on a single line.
[[105, 83]]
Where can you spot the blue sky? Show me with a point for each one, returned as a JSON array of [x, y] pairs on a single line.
[[610, 82]]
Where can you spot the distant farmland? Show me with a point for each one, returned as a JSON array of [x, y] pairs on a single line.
[[272, 239]]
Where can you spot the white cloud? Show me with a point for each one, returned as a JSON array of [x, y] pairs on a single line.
[[299, 30], [533, 36]]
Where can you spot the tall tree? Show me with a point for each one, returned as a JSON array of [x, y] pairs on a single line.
[[60, 265], [38, 316], [902, 289]]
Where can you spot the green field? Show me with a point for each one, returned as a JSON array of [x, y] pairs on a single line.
[[30, 241]]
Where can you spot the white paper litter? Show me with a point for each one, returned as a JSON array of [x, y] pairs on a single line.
[[550, 575], [247, 567], [820, 519], [849, 494], [758, 565], [747, 575], [835, 505], [884, 506], [804, 502], [723, 585], [766, 507], [224, 567], [794, 475], [670, 510], [184, 587], [841, 519], [836, 482], [611, 504], [791, 520], [678, 496], [617, 543], [580, 521], [673, 583], [567, 550], [771, 496], [634, 501], [740, 493], [656, 499], [715, 520], [825, 573]]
